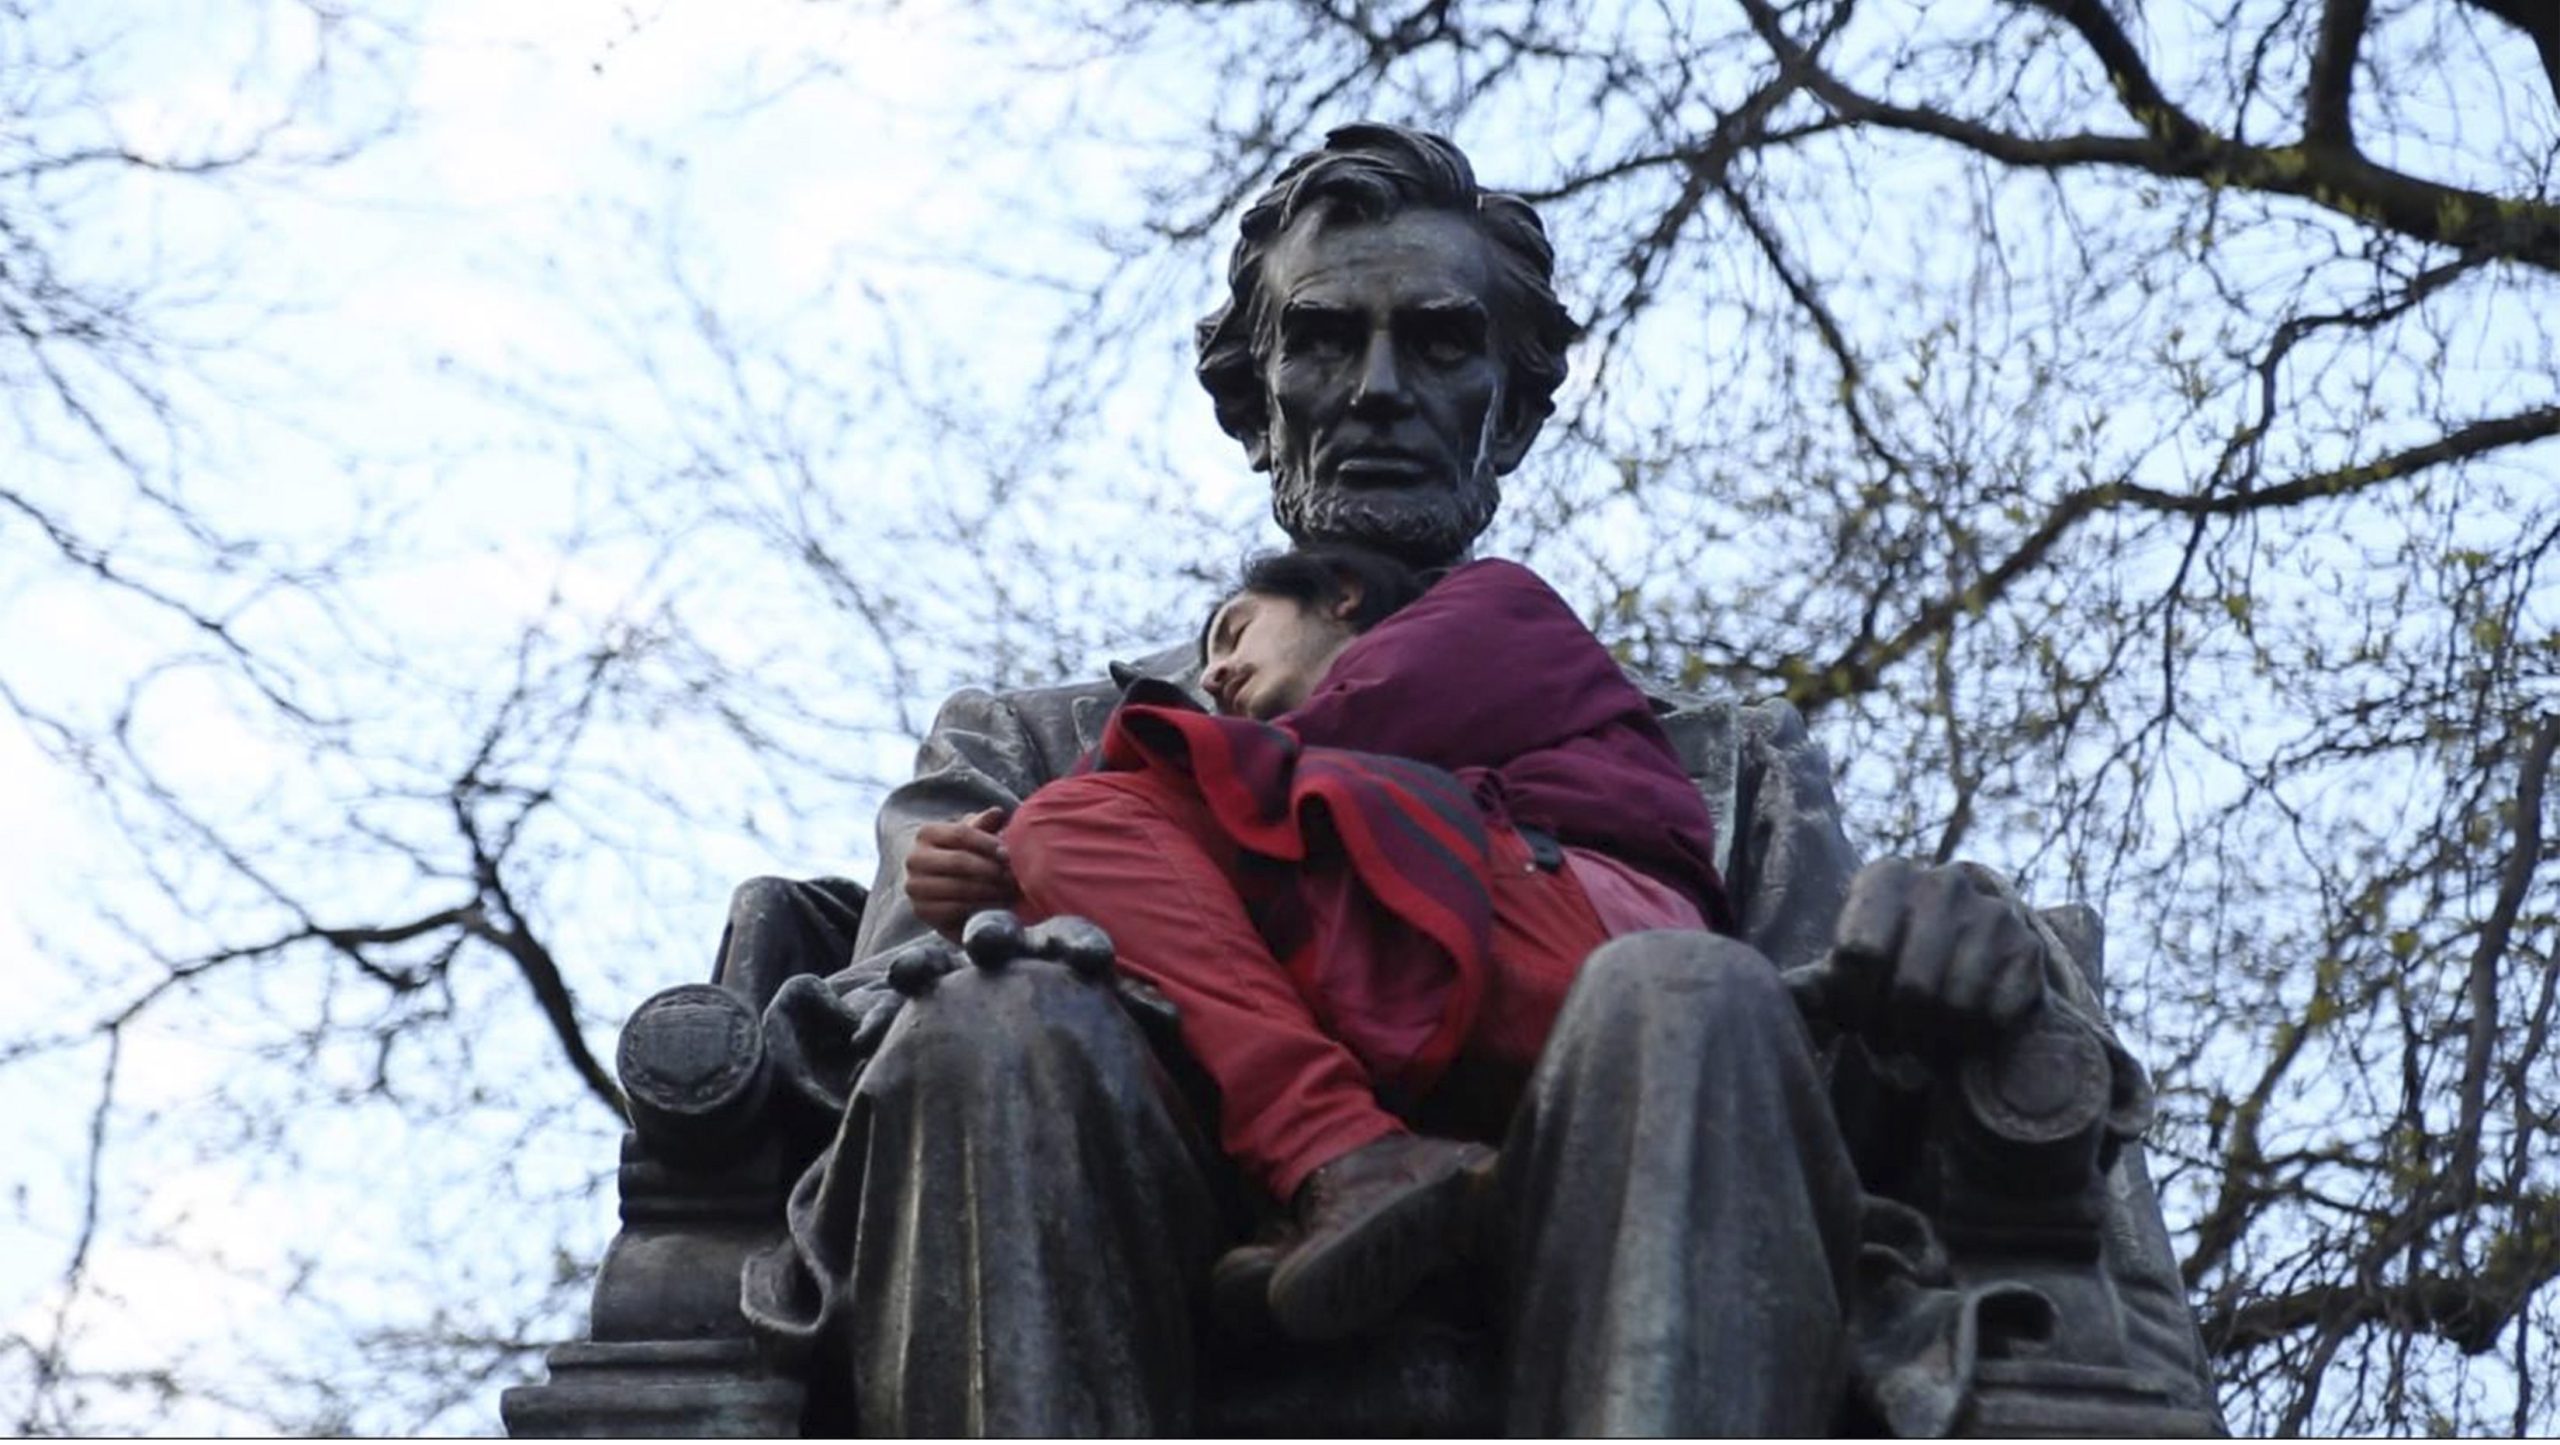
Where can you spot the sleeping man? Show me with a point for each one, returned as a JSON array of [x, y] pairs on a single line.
[[1393, 852]]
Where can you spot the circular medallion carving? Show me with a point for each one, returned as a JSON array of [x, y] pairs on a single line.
[[2047, 1085], [690, 1050]]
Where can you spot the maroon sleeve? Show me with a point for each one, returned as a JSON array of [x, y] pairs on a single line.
[[1487, 665]]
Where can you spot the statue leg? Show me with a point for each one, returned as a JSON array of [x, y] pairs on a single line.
[[779, 927], [1678, 1214], [1014, 1221]]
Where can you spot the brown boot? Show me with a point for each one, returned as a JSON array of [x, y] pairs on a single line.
[[1371, 1225]]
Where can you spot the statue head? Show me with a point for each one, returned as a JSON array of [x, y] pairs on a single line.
[[1390, 345]]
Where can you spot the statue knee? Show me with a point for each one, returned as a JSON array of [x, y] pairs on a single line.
[[760, 897], [1024, 1026], [1639, 977], [767, 940]]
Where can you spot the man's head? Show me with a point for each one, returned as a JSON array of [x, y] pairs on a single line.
[[1272, 639], [1391, 343]]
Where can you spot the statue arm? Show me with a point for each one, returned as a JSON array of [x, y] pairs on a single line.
[[984, 750], [1794, 868], [977, 755], [1790, 879], [1791, 866]]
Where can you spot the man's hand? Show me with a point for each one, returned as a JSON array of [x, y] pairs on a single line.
[[956, 870], [1932, 961]]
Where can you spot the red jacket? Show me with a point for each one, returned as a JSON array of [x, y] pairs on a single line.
[[1484, 704]]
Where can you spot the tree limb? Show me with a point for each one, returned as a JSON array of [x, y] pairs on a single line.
[[2481, 990], [2327, 100], [2469, 1311], [2175, 146], [1859, 668], [2143, 99]]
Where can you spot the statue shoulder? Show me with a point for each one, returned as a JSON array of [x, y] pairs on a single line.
[[1722, 741], [1026, 735], [1780, 846], [1036, 733]]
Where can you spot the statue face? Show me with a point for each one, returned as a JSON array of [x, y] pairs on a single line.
[[1385, 381]]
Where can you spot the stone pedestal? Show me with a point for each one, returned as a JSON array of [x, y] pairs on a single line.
[[658, 1389], [667, 1353]]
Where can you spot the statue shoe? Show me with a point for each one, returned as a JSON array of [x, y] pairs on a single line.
[[1240, 1288], [1371, 1225]]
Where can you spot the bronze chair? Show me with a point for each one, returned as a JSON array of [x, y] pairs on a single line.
[[2027, 1167]]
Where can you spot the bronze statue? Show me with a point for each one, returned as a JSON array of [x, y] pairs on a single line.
[[1870, 1162]]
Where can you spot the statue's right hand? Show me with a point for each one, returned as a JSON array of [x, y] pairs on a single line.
[[996, 940], [1932, 961], [958, 869]]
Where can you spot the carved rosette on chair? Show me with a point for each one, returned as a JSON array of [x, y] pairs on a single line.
[[702, 1185]]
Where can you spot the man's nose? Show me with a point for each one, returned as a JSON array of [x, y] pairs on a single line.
[[1214, 680], [1380, 386]]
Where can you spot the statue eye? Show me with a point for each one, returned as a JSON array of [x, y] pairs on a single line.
[[1448, 340], [1319, 336]]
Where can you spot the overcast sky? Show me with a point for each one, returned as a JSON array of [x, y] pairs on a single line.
[[510, 315], [392, 336]]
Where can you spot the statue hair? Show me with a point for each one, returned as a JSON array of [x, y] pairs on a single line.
[[1368, 172]]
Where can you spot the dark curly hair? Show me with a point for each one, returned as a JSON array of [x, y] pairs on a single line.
[[1317, 577], [1370, 171]]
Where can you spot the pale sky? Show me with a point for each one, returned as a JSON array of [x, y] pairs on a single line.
[[513, 231], [473, 341]]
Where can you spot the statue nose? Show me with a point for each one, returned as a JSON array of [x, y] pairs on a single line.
[[1380, 387]]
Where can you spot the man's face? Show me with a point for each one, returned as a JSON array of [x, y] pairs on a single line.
[[1265, 654], [1385, 382]]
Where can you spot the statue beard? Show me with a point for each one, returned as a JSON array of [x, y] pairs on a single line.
[[1423, 525]]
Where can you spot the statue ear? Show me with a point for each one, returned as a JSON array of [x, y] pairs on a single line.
[[1515, 429], [1250, 424]]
